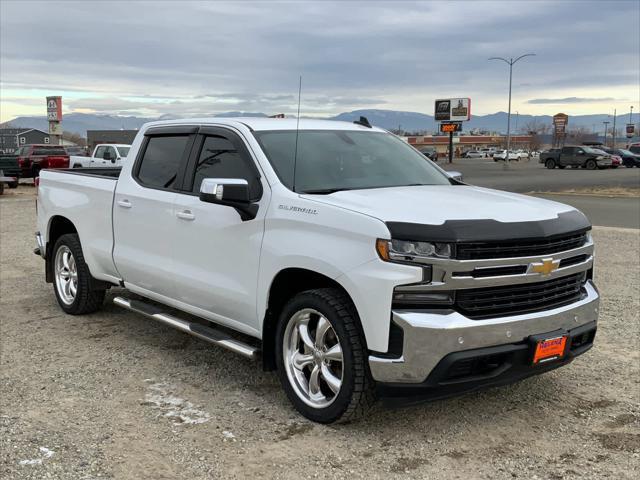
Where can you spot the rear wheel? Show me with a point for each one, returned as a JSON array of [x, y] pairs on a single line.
[[562, 167], [591, 164], [550, 164], [321, 357], [72, 279], [13, 184]]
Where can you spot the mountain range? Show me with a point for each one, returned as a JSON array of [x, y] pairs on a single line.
[[389, 119]]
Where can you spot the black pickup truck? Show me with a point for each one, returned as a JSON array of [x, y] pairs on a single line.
[[575, 157], [9, 169]]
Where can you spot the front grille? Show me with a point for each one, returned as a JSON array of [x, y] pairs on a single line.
[[518, 299], [508, 249]]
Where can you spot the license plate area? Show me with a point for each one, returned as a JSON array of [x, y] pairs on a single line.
[[549, 348]]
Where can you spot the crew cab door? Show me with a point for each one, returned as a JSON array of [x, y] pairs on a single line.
[[567, 156], [216, 252], [143, 216]]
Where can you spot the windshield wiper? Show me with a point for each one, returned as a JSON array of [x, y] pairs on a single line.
[[323, 191]]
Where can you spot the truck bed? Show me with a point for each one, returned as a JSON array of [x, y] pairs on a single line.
[[103, 172]]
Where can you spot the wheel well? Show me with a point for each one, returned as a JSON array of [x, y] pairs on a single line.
[[286, 284], [58, 226]]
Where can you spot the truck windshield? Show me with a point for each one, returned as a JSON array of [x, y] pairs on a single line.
[[334, 160]]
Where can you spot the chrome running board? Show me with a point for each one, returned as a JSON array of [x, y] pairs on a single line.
[[203, 332]]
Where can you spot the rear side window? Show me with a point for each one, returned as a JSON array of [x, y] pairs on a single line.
[[219, 158], [43, 150], [161, 161]]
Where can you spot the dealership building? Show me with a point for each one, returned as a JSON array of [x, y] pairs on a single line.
[[463, 143]]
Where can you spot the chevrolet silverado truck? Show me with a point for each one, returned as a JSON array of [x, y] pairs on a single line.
[[331, 251], [575, 157], [104, 155], [33, 158]]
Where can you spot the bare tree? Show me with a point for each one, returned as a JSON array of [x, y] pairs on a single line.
[[75, 138], [580, 135], [535, 129]]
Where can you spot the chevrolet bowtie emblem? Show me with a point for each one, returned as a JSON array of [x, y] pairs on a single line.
[[545, 267]]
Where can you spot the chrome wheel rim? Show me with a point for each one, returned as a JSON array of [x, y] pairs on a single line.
[[66, 273], [313, 358]]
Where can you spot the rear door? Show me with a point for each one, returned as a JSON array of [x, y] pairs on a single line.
[[143, 215], [567, 156], [216, 267]]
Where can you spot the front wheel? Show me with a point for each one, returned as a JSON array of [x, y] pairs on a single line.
[[591, 165], [72, 279], [550, 164], [321, 357]]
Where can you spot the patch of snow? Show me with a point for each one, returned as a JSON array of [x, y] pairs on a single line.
[[46, 453], [161, 396], [228, 435]]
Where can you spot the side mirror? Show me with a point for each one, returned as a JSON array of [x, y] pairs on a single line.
[[231, 192], [581, 152], [113, 160], [455, 175]]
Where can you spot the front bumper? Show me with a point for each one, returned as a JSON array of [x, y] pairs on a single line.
[[428, 337]]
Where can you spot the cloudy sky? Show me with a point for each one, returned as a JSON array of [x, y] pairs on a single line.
[[197, 58]]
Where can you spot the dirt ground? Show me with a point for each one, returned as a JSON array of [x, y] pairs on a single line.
[[115, 395]]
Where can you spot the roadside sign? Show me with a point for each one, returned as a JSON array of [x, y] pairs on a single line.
[[54, 109], [560, 121], [449, 127], [631, 129], [452, 110], [55, 128]]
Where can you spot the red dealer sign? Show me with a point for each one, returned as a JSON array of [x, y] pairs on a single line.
[[54, 109]]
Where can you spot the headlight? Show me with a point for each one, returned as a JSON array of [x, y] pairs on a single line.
[[408, 251]]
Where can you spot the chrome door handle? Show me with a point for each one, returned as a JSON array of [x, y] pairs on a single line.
[[125, 203], [186, 215]]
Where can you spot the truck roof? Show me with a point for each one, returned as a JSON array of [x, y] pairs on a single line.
[[262, 124]]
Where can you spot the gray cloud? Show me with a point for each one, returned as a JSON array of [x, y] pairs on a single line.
[[543, 101], [220, 56]]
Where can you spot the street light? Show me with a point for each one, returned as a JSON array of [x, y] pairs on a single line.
[[510, 62]]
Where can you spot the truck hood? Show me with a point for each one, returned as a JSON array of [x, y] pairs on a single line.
[[436, 204]]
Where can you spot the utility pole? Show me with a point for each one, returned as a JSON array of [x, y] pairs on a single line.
[[631, 114], [510, 62], [605, 133], [613, 140]]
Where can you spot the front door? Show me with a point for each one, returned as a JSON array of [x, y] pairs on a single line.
[[217, 253], [143, 216]]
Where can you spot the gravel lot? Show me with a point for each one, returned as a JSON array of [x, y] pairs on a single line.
[[115, 395]]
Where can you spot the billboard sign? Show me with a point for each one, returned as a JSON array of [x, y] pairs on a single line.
[[631, 130], [450, 127], [54, 109], [453, 110], [560, 121], [55, 128]]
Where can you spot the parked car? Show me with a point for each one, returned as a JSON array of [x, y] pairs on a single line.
[[337, 276], [474, 154], [33, 158], [634, 148], [629, 159], [430, 153], [10, 168], [575, 157], [502, 155], [104, 155], [522, 154]]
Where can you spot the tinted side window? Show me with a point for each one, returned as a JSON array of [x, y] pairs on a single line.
[[159, 166], [219, 158]]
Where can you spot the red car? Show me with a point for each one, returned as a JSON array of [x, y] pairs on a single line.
[[33, 158]]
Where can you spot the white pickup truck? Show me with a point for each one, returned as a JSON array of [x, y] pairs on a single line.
[[334, 251], [104, 155]]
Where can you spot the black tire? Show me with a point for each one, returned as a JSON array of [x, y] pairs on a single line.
[[550, 164], [1, 188], [628, 165], [13, 184], [87, 299], [562, 167], [590, 164], [77, 165], [356, 394]]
